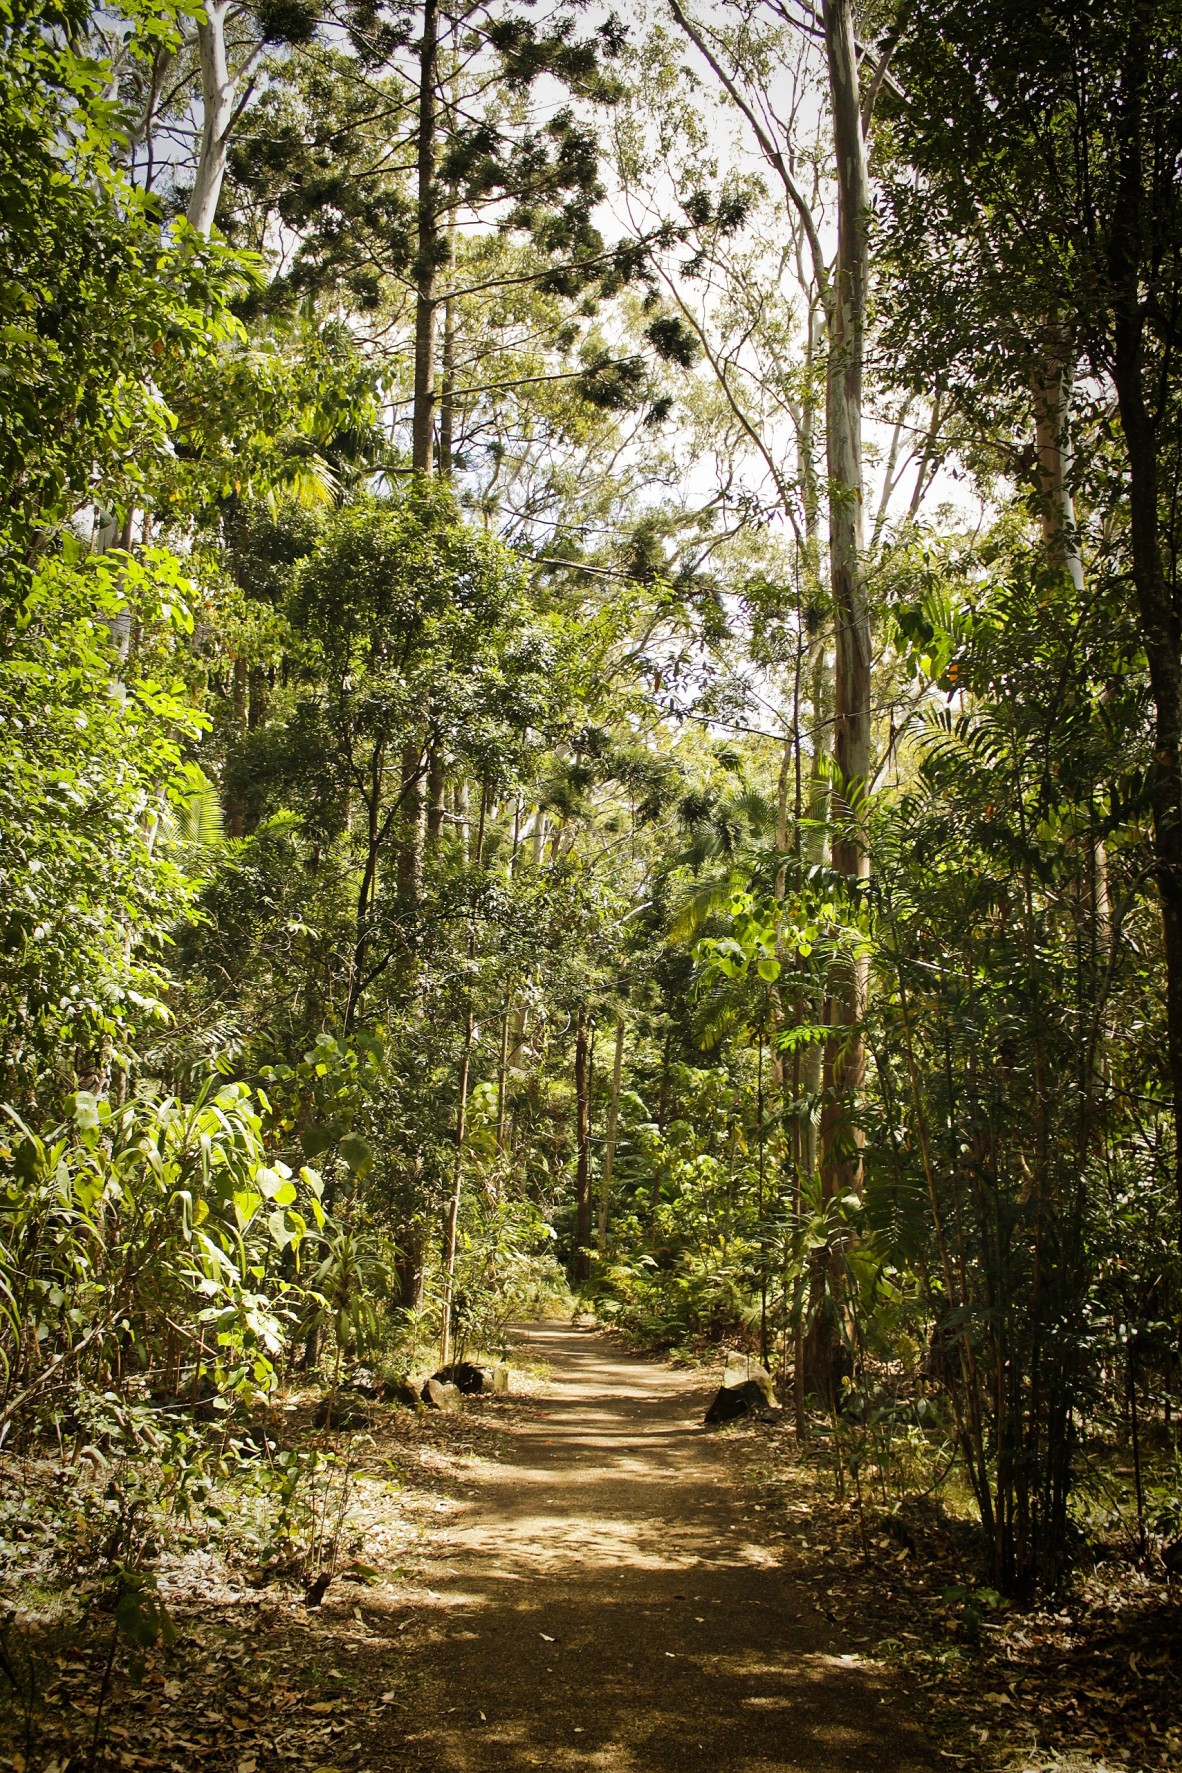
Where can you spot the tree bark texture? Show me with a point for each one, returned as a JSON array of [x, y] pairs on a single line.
[[219, 103], [1053, 382]]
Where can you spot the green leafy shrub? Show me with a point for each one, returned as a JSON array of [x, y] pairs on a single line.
[[152, 1245]]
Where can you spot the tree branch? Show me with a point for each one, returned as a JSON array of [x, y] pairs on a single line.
[[771, 153]]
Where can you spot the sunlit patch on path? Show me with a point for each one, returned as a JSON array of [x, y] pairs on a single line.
[[601, 1602]]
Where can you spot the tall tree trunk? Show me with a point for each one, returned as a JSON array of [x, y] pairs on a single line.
[[1052, 394], [451, 1232], [537, 839], [427, 254], [1161, 631], [662, 1118], [613, 1123], [582, 1261], [817, 853], [845, 1055], [821, 704], [447, 404], [408, 1266], [464, 814]]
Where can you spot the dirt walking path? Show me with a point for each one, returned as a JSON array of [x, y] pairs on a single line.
[[610, 1600]]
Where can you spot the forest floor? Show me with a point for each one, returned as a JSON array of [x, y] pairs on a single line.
[[582, 1576]]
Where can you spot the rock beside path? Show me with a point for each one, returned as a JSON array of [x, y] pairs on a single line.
[[439, 1394], [738, 1396]]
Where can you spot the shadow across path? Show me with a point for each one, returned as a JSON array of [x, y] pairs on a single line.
[[606, 1602]]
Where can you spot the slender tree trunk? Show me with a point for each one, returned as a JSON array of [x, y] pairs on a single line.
[[759, 1134], [844, 1057], [821, 704], [519, 1014], [1052, 440], [257, 710], [613, 1123], [366, 891], [436, 794], [801, 1007], [1053, 386], [503, 1074], [1161, 630], [537, 839], [518, 1031], [410, 848], [427, 255], [662, 1118], [816, 851], [241, 675], [447, 404], [464, 810], [1160, 633], [408, 1268], [582, 1261], [453, 1211], [453, 1208], [789, 759]]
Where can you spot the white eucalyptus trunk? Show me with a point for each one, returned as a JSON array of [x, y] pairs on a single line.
[[219, 98]]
